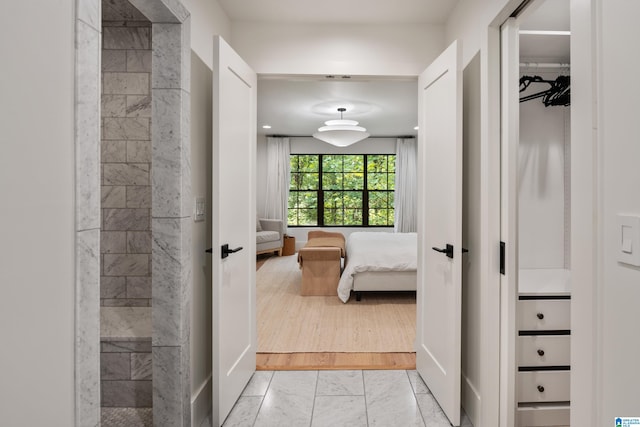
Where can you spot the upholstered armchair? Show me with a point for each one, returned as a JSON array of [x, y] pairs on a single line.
[[269, 236]]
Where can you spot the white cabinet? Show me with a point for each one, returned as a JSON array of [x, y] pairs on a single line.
[[543, 356], [544, 314]]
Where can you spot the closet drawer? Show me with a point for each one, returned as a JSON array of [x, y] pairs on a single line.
[[544, 314], [543, 386], [543, 415], [544, 350]]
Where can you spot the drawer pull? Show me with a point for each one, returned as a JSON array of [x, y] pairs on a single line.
[[540, 352], [541, 389], [540, 316]]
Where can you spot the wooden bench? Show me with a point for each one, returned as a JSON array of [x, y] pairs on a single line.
[[320, 261]]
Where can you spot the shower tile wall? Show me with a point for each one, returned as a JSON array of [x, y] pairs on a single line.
[[126, 159]]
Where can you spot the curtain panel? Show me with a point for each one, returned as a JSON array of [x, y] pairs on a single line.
[[278, 171], [406, 209]]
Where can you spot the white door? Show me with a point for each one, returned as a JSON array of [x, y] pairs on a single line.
[[438, 329], [510, 134], [233, 224]]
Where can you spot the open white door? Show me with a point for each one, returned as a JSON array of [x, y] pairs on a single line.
[[233, 224], [510, 134], [438, 329]]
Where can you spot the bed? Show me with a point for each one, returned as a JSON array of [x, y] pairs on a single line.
[[378, 261]]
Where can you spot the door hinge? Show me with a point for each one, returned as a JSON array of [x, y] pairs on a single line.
[[502, 256]]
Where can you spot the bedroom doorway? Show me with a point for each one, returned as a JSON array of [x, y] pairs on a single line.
[[397, 106]]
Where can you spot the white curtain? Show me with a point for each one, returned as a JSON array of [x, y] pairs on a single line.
[[278, 170], [406, 208]]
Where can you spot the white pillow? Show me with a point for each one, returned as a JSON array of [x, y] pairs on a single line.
[[258, 225]]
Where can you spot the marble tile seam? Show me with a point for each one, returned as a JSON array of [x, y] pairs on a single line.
[[186, 91], [81, 229], [90, 25], [171, 217]]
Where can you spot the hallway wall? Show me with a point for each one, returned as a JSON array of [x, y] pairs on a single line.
[[207, 20], [37, 220], [619, 141], [471, 239], [284, 48], [201, 159]]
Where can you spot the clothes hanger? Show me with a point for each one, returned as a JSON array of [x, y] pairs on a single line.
[[557, 94]]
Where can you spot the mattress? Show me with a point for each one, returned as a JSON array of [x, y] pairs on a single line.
[[379, 254]]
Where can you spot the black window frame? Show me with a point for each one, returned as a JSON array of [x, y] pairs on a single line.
[[364, 191]]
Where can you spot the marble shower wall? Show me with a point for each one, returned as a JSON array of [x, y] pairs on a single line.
[[125, 239]]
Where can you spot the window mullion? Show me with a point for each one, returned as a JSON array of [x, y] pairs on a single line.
[[365, 194], [320, 193]]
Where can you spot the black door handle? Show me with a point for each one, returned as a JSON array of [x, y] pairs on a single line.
[[226, 251], [448, 250]]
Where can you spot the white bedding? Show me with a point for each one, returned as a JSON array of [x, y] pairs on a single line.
[[377, 251]]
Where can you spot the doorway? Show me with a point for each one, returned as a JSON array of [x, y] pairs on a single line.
[[536, 216], [386, 106], [169, 211]]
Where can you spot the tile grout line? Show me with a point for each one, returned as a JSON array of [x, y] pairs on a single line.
[[263, 397], [415, 395], [366, 407], [315, 395]]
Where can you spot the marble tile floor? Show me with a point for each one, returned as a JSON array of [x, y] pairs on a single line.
[[126, 417], [367, 398]]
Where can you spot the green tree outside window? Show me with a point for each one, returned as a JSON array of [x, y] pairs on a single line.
[[342, 190]]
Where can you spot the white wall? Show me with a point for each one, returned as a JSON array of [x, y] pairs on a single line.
[[585, 297], [471, 235], [541, 188], [619, 140], [469, 24], [37, 273], [397, 50], [207, 20], [200, 340], [469, 21]]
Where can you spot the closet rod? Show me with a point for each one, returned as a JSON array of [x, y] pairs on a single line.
[[545, 65]]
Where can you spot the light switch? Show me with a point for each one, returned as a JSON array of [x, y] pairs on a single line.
[[629, 249], [199, 209]]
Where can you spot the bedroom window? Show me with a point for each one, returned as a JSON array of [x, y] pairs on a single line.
[[342, 190]]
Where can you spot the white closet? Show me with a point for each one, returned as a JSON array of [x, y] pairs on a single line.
[[539, 150]]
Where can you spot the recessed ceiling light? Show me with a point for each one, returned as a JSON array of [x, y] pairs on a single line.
[[415, 128], [266, 127]]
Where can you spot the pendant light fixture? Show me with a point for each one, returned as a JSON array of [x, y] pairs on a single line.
[[341, 133]]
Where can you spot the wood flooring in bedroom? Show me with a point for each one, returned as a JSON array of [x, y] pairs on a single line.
[[331, 360]]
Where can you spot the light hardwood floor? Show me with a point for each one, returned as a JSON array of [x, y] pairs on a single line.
[[329, 361], [325, 361]]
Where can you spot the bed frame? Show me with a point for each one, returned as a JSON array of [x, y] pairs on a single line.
[[384, 281]]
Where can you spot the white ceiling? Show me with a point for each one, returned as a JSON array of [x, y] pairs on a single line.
[[340, 11], [300, 105], [296, 105]]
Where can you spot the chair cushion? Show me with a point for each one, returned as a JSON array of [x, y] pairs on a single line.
[[267, 236]]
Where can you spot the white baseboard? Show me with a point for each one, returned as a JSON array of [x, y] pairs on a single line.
[[201, 403], [470, 400]]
